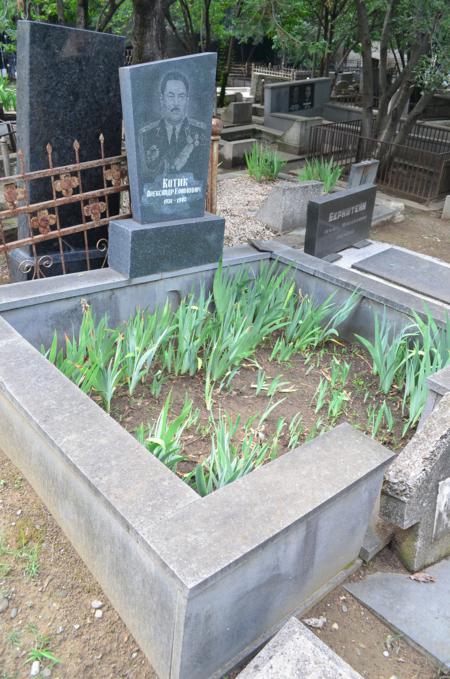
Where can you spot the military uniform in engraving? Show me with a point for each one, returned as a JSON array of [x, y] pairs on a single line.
[[168, 148], [172, 144]]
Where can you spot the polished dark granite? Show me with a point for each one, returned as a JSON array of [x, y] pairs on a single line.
[[67, 89]]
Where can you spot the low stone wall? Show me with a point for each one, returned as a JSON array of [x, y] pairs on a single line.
[[200, 582], [416, 492]]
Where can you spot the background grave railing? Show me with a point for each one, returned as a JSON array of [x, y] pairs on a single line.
[[411, 170]]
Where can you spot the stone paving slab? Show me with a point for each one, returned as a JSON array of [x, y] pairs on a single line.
[[419, 611], [296, 653], [410, 270]]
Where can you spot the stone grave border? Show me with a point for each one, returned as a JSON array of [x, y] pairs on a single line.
[[200, 582]]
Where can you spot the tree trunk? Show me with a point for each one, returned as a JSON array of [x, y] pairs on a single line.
[[149, 30], [207, 26], [82, 20], [60, 11], [367, 74], [413, 117]]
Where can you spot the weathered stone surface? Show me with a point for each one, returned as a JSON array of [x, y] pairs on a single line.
[[167, 108], [446, 210], [416, 492], [363, 173], [410, 270], [419, 612], [286, 205], [338, 220], [297, 653], [232, 152], [238, 113], [438, 385], [67, 89], [142, 249]]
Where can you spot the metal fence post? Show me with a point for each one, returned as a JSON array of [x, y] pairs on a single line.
[[211, 196]]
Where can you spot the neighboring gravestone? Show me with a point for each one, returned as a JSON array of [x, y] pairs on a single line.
[[67, 89], [339, 220], [363, 173], [446, 210], [285, 207], [287, 100], [238, 113], [168, 107], [416, 492]]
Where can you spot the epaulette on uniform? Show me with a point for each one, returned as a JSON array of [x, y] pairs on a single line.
[[197, 123], [150, 126]]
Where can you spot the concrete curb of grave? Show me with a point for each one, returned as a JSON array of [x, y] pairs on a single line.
[[193, 581]]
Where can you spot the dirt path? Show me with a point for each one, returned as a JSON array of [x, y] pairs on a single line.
[[420, 231]]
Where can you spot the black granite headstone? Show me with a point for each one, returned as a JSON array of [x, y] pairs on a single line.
[[67, 89], [301, 97], [168, 107], [339, 220]]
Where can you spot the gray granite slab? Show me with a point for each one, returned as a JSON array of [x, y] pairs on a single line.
[[337, 221], [67, 89], [411, 271], [142, 249], [421, 612], [168, 107]]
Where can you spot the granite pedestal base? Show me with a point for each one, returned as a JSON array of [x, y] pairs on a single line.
[[143, 249]]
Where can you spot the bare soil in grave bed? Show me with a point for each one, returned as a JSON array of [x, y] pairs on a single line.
[[56, 602], [299, 379]]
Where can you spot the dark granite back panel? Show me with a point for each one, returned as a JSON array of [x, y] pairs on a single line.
[[67, 88]]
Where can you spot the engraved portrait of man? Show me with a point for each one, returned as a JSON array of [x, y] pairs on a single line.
[[173, 143]]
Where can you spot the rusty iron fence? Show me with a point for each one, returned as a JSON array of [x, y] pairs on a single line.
[[42, 222], [42, 236], [410, 170]]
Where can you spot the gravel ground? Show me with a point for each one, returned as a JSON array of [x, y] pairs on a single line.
[[238, 200]]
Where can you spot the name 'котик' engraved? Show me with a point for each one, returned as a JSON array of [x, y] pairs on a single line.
[[346, 212]]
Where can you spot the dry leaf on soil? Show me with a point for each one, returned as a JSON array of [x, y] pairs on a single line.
[[422, 577]]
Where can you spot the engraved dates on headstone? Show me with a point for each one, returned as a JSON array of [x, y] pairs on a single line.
[[339, 220], [168, 108]]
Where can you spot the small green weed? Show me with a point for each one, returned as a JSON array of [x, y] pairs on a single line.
[[13, 637], [296, 430], [41, 651]]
